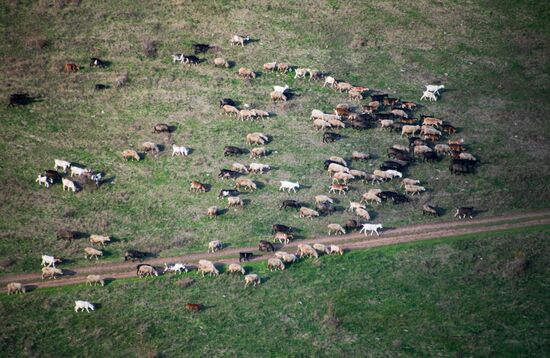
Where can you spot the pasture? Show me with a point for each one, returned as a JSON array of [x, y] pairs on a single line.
[[479, 295], [492, 58]]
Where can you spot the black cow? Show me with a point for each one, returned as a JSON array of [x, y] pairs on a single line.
[[290, 204], [224, 193], [280, 228], [201, 48], [53, 175], [245, 256], [464, 211], [266, 246], [230, 150], [331, 137], [391, 165], [134, 255], [96, 62], [228, 173], [100, 87], [227, 101]]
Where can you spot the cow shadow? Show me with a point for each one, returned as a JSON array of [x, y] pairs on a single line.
[[30, 288], [67, 272]]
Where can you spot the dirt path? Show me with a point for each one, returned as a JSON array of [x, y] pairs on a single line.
[[390, 236]]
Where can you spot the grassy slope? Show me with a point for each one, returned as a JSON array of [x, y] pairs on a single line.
[[460, 297], [491, 56]]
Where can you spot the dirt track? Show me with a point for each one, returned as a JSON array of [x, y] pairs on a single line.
[[355, 240]]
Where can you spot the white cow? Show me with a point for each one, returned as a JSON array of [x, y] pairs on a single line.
[[83, 305], [179, 150], [63, 164], [429, 96], [289, 185], [434, 88], [373, 228], [177, 268]]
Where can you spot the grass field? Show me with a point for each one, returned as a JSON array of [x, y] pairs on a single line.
[[482, 295], [492, 56]]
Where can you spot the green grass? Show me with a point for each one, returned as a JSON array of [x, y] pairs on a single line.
[[465, 296], [495, 65]]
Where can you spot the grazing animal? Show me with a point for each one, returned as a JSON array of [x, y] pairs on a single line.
[[333, 249], [234, 201], [144, 270], [221, 62], [351, 224], [306, 250], [428, 209], [15, 287], [281, 228], [258, 168], [246, 73], [96, 62], [341, 176], [314, 74], [409, 181], [362, 213], [274, 264], [320, 199], [83, 305], [90, 252], [49, 261], [161, 127], [71, 67], [227, 192], [235, 268], [179, 150], [434, 88], [150, 147], [94, 280], [359, 156], [289, 204], [227, 101], [198, 187], [289, 185], [373, 228], [134, 255], [79, 171], [340, 188], [280, 89], [51, 272], [66, 234], [236, 40], [321, 124], [408, 130], [176, 268], [308, 213], [245, 183], [399, 113], [336, 229], [270, 66], [245, 256], [251, 279], [322, 248], [214, 246], [68, 184], [99, 239], [238, 167], [229, 109], [464, 211], [207, 267], [61, 164], [212, 211], [413, 189], [283, 237], [343, 86], [429, 96], [266, 246], [278, 96], [42, 179], [330, 82], [301, 72], [289, 258], [227, 174], [336, 167], [258, 152], [329, 137], [131, 154], [371, 196], [193, 307], [284, 67]]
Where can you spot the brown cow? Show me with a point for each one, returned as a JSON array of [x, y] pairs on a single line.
[[193, 307], [71, 67]]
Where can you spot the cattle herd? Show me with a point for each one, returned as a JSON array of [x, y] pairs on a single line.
[[425, 135]]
